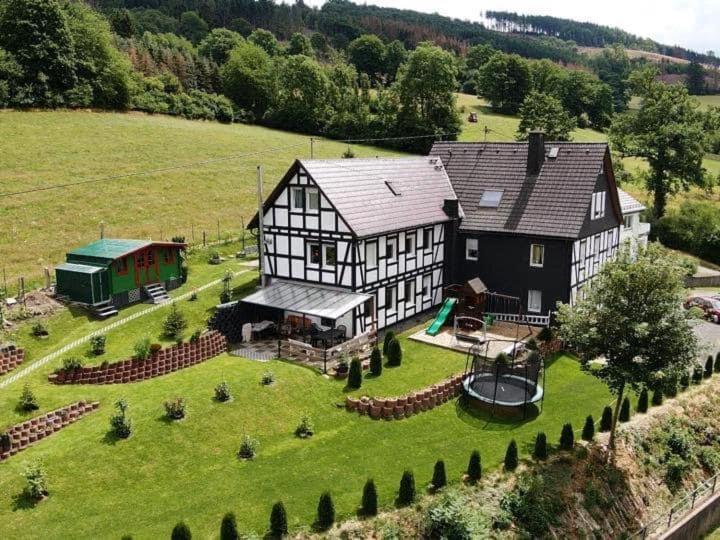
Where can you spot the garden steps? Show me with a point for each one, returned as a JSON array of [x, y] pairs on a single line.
[[407, 405], [104, 310], [10, 358], [25, 434], [164, 361], [156, 293]]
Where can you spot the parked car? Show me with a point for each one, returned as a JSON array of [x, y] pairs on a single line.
[[709, 304]]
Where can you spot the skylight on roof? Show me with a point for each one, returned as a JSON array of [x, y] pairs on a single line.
[[554, 151], [490, 198], [393, 187]]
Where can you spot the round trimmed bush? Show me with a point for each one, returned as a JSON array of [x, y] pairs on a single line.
[[541, 449], [228, 527], [406, 494], [181, 532], [624, 415], [588, 432], [376, 362], [567, 437], [642, 405], [606, 419], [368, 505], [278, 520], [394, 353], [511, 456], [474, 470], [325, 511], [439, 479]]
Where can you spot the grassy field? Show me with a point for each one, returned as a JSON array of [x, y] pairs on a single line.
[[166, 472], [52, 148]]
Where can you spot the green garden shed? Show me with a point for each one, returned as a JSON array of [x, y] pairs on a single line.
[[111, 273]]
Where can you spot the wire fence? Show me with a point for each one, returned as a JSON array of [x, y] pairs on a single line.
[[679, 510]]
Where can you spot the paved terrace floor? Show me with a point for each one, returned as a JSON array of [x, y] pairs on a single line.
[[499, 339]]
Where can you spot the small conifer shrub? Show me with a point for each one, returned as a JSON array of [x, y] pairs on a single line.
[[278, 521], [175, 323], [181, 532], [36, 487], [120, 423], [228, 527], [588, 432], [671, 386], [567, 437], [376, 362], [394, 353], [717, 362], [657, 397], [606, 419], [248, 447], [697, 375], [368, 504], [474, 470], [624, 415], [355, 375], [642, 405], [97, 344], [268, 378], [222, 392], [305, 428], [541, 449], [511, 456], [28, 401], [389, 336], [406, 494], [439, 478], [175, 408], [325, 511], [684, 381], [708, 367]]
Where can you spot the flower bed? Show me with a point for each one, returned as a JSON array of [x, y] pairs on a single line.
[[10, 358], [21, 436], [161, 362], [409, 404]]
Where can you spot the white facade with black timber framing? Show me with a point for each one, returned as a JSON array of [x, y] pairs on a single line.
[[374, 226], [588, 256]]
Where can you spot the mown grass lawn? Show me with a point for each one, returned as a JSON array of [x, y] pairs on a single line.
[[102, 488]]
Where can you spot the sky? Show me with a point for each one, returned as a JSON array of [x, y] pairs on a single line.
[[689, 23]]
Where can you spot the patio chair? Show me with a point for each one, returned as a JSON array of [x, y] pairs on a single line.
[[247, 332], [314, 332], [340, 333]]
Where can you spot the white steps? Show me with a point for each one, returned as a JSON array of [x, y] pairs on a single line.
[[156, 293], [104, 310]]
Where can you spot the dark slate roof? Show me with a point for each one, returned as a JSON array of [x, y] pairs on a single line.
[[359, 191], [555, 203]]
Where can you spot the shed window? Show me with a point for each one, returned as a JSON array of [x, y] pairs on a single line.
[[121, 266], [537, 255], [471, 249]]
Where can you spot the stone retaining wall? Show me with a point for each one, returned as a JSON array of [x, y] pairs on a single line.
[[10, 358], [164, 361], [409, 404], [24, 435]]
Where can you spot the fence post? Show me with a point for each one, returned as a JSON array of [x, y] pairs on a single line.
[[279, 348], [670, 516], [204, 239], [692, 504], [714, 483]]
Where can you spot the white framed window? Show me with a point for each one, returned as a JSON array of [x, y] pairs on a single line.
[[427, 238], [391, 249], [329, 255], [427, 286], [582, 253], [537, 255], [314, 254], [312, 197], [391, 299], [371, 255], [410, 245], [597, 207], [471, 249], [410, 292], [534, 301], [298, 198]]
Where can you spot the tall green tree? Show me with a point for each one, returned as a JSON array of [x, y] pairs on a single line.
[[613, 67], [265, 40], [478, 55], [302, 94], [425, 87], [395, 55], [123, 23], [695, 78], [505, 82], [367, 54], [632, 318], [668, 132], [541, 111], [218, 44], [193, 26], [248, 78], [37, 35], [299, 44]]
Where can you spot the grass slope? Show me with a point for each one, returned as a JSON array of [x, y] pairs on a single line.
[[57, 147]]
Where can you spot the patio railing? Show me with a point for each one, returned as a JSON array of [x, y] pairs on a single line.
[[534, 320], [360, 346]]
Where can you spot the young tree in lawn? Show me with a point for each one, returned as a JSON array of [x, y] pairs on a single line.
[[511, 456], [376, 362], [368, 505], [228, 527], [474, 470], [406, 494], [542, 111], [439, 478], [668, 132], [588, 432], [632, 318], [355, 375], [624, 415], [505, 81], [181, 532], [541, 450], [567, 437], [278, 521], [606, 419], [325, 511]]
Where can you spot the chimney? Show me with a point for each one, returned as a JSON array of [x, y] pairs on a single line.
[[536, 152], [451, 208]]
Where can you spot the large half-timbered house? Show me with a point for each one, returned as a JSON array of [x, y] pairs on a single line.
[[540, 218], [370, 226]]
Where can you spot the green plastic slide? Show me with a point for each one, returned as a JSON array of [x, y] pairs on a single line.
[[441, 316]]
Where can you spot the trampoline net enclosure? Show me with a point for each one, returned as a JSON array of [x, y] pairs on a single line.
[[511, 383]]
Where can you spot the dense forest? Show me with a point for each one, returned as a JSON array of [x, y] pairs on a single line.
[[589, 34]]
